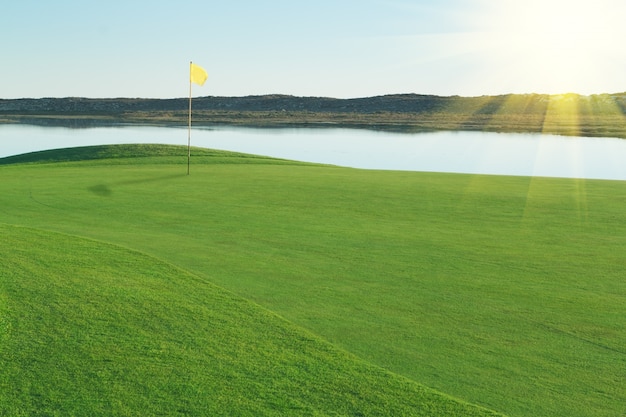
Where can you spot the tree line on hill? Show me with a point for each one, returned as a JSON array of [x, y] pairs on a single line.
[[569, 114]]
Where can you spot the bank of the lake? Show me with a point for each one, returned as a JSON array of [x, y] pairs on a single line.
[[600, 115]]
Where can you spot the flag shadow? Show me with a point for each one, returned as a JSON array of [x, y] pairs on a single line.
[[104, 190]]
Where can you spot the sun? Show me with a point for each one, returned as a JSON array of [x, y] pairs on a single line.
[[559, 45]]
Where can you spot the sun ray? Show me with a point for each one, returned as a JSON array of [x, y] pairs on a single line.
[[563, 115], [581, 199]]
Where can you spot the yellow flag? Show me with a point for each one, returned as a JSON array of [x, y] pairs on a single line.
[[197, 74]]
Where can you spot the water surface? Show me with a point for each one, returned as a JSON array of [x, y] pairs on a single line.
[[460, 152]]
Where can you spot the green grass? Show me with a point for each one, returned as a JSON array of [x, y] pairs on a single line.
[[144, 154], [94, 329], [506, 292]]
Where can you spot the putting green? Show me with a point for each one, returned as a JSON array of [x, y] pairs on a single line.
[[502, 291]]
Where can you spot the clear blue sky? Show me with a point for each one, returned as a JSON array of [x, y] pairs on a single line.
[[334, 48]]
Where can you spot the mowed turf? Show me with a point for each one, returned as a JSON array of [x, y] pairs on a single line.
[[93, 329], [506, 292]]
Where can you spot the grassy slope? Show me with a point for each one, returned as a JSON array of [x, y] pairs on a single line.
[[92, 329], [144, 154], [503, 291]]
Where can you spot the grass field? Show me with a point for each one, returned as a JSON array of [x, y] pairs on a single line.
[[272, 287]]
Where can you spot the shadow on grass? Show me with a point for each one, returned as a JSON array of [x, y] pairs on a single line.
[[104, 190]]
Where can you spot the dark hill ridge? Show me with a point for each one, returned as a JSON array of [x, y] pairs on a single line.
[[77, 105], [400, 103], [567, 114]]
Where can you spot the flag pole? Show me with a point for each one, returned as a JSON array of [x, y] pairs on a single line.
[[189, 126], [197, 75]]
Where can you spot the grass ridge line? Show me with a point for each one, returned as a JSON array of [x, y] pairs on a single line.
[[121, 152]]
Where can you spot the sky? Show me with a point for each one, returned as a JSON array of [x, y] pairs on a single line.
[[322, 48]]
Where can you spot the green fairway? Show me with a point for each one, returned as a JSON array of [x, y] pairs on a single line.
[[353, 286], [93, 329]]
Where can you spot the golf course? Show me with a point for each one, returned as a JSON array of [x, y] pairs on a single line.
[[266, 287]]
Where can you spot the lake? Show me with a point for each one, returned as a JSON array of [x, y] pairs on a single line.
[[460, 152]]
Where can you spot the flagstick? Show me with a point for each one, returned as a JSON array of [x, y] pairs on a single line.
[[189, 129]]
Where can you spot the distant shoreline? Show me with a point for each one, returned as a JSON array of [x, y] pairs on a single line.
[[570, 114]]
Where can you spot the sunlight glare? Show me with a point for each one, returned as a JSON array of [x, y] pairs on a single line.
[[560, 45]]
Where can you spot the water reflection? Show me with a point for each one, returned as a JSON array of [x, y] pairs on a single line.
[[463, 152]]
